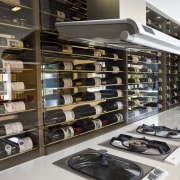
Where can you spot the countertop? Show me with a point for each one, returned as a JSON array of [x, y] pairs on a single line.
[[43, 167]]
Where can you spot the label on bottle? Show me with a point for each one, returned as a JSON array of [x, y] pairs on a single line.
[[13, 128], [115, 68], [15, 65], [67, 82], [148, 61], [25, 144], [97, 81], [98, 109], [8, 149], [17, 86], [97, 95], [116, 57], [119, 104], [149, 80], [14, 43], [137, 80], [68, 99], [67, 49], [69, 115], [119, 80], [174, 86], [68, 66], [137, 91], [137, 112], [119, 117], [135, 59], [149, 99], [97, 53], [68, 132], [160, 106], [119, 93], [14, 106], [137, 102], [174, 93], [97, 123], [98, 67], [60, 16], [149, 109]]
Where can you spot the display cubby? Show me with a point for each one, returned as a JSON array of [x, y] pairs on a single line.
[[142, 84]]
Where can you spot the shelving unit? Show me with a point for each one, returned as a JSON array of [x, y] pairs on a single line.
[[169, 80], [142, 85], [19, 124]]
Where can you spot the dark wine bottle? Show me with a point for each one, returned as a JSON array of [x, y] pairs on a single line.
[[7, 149], [86, 96], [11, 128], [83, 125], [57, 82], [111, 105], [111, 118], [60, 65], [87, 81], [110, 93], [56, 116], [134, 80], [84, 110], [57, 99], [111, 80], [53, 133], [10, 107], [89, 66]]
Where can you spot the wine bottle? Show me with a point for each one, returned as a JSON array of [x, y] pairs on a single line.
[[83, 50], [56, 116], [86, 96], [111, 80], [11, 128], [11, 65], [89, 66], [111, 105], [146, 60], [87, 81], [60, 65], [134, 59], [10, 107], [57, 82], [83, 125], [84, 110], [134, 80], [111, 118], [53, 133], [57, 99], [114, 69], [133, 69], [110, 93], [7, 149]]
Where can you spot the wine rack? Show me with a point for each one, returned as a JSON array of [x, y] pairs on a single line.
[[142, 85], [83, 90], [19, 132], [169, 81]]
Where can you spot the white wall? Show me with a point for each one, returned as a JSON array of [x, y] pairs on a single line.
[[134, 9], [169, 7]]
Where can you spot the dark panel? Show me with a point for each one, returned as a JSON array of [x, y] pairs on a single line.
[[102, 9]]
